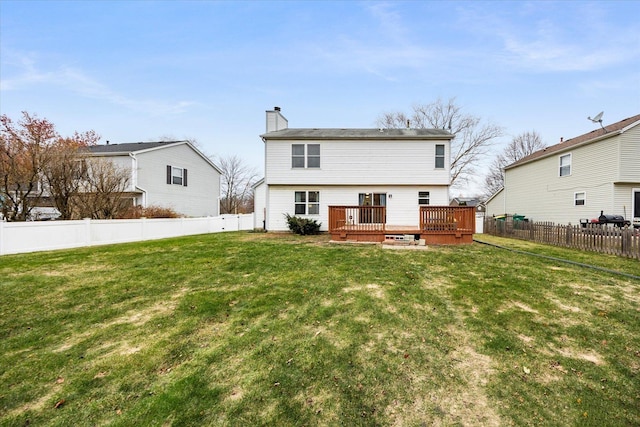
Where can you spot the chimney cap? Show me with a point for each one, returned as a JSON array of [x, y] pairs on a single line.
[[276, 108]]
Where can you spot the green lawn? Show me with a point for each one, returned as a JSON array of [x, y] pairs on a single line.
[[262, 329]]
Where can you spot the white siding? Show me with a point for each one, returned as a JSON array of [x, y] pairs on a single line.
[[402, 202], [259, 205], [124, 162], [355, 162], [198, 198]]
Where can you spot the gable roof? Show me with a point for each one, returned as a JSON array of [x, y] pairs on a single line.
[[609, 131], [468, 201], [127, 148], [356, 133], [131, 147]]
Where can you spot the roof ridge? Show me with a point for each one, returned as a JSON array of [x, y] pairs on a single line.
[[585, 137]]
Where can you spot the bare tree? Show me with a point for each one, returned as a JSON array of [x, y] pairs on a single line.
[[472, 137], [520, 147], [237, 179], [103, 194], [66, 172], [24, 150]]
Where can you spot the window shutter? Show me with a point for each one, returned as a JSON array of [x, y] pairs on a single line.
[[184, 177], [168, 174]]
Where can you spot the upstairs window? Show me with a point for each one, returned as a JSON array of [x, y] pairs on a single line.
[[297, 156], [565, 165], [307, 203], [439, 156], [313, 155], [176, 175], [423, 197], [305, 156]]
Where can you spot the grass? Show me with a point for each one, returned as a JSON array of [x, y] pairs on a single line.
[[262, 329]]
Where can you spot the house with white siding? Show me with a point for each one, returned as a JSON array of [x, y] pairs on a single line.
[[169, 174], [310, 170], [577, 178]]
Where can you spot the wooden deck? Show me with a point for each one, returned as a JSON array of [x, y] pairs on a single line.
[[439, 225]]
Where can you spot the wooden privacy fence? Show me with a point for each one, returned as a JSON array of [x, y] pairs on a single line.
[[592, 237]]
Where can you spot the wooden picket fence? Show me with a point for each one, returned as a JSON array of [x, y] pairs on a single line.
[[592, 237]]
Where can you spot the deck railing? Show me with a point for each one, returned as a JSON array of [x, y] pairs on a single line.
[[445, 219], [357, 218]]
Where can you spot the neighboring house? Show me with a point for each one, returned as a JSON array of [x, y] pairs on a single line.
[[576, 179], [169, 174], [307, 171], [464, 201]]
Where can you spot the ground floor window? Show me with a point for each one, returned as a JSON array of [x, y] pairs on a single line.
[[423, 197], [579, 198], [307, 203]]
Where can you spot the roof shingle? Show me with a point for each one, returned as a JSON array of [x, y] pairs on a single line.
[[610, 130], [130, 147]]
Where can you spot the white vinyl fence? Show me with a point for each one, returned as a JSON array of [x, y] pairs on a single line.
[[21, 237]]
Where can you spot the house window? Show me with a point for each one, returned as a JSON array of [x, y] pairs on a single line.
[[297, 156], [307, 203], [565, 165], [580, 198], [176, 175], [310, 160], [313, 155], [423, 197], [439, 156]]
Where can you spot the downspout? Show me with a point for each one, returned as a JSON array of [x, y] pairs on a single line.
[[134, 179], [504, 188]]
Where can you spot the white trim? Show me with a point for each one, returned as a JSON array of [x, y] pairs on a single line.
[[575, 198], [560, 164], [634, 214]]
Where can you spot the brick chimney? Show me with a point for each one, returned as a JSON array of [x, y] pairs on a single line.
[[275, 120]]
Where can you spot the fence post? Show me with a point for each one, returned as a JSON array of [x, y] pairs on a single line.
[[626, 240], [569, 235], [87, 231], [1, 237]]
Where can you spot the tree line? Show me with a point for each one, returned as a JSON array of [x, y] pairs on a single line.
[[39, 167]]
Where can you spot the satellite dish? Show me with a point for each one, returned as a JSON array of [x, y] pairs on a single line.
[[597, 118]]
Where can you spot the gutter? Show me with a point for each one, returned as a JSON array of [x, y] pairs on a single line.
[[134, 178]]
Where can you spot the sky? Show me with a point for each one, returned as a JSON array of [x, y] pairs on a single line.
[[208, 70]]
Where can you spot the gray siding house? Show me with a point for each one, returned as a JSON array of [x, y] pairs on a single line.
[[577, 178], [170, 174]]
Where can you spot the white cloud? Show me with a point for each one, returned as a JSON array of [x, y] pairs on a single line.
[[26, 74], [548, 37]]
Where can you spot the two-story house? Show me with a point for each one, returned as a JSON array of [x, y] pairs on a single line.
[[170, 174], [577, 178], [310, 171]]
